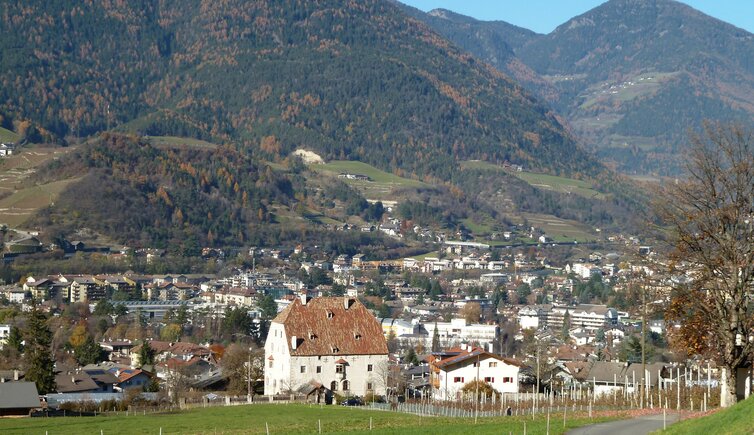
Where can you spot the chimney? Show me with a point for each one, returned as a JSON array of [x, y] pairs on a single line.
[[304, 298], [294, 342]]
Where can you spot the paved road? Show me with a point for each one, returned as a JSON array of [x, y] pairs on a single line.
[[635, 426]]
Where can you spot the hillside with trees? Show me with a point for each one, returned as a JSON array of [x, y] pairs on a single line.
[[358, 81], [631, 77]]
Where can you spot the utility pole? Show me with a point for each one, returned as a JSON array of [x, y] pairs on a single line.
[[539, 348], [643, 337], [248, 378], [476, 402]]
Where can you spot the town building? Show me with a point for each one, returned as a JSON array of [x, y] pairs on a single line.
[[452, 369], [333, 342]]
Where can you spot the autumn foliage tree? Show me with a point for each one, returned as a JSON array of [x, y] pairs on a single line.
[[712, 218]]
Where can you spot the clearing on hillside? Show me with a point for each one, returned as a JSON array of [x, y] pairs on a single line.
[[379, 184], [20, 199], [7, 136], [542, 181]]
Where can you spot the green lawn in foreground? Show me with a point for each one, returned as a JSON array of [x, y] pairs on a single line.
[[738, 419], [283, 419]]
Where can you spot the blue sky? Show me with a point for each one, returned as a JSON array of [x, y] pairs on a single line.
[[543, 16]]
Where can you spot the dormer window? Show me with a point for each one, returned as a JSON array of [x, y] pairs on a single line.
[[312, 336], [356, 336], [329, 314], [335, 349]]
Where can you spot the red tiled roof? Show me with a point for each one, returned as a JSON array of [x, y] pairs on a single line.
[[128, 374], [324, 326]]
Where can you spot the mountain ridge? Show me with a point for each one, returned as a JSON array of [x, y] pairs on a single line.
[[632, 78]]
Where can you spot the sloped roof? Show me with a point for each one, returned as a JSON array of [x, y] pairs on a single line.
[[324, 326], [76, 382], [471, 355], [14, 395]]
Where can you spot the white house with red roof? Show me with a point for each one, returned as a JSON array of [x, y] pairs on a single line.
[[452, 369], [330, 342]]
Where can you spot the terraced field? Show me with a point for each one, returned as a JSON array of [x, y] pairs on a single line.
[[19, 199]]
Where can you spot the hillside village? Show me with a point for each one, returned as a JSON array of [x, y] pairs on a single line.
[[409, 328]]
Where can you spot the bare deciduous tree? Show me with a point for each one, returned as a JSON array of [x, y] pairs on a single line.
[[712, 217]]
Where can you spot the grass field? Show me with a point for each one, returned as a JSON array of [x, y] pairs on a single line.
[[283, 419], [380, 184], [542, 181], [738, 419], [20, 199], [179, 142], [560, 230], [8, 136]]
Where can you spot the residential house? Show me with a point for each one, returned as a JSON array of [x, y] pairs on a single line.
[[132, 378], [18, 398], [333, 341], [453, 369]]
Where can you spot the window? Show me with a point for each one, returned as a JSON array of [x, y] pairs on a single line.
[[339, 368], [270, 364], [369, 367], [345, 385], [476, 364], [369, 385], [489, 380], [493, 363], [334, 386], [319, 369], [507, 380], [303, 369], [458, 379]]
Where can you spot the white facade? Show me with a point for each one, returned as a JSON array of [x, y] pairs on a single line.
[[4, 334], [458, 331], [450, 378], [332, 342]]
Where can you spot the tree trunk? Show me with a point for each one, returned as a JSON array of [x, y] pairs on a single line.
[[728, 378]]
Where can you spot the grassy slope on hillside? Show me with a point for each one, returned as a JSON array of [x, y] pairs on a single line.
[[739, 419], [380, 183], [281, 419], [8, 136], [19, 198], [22, 204], [543, 181]]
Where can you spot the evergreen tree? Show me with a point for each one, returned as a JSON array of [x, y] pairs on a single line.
[[565, 334], [436, 340], [146, 354], [15, 340], [181, 317], [38, 356], [268, 307], [89, 352]]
